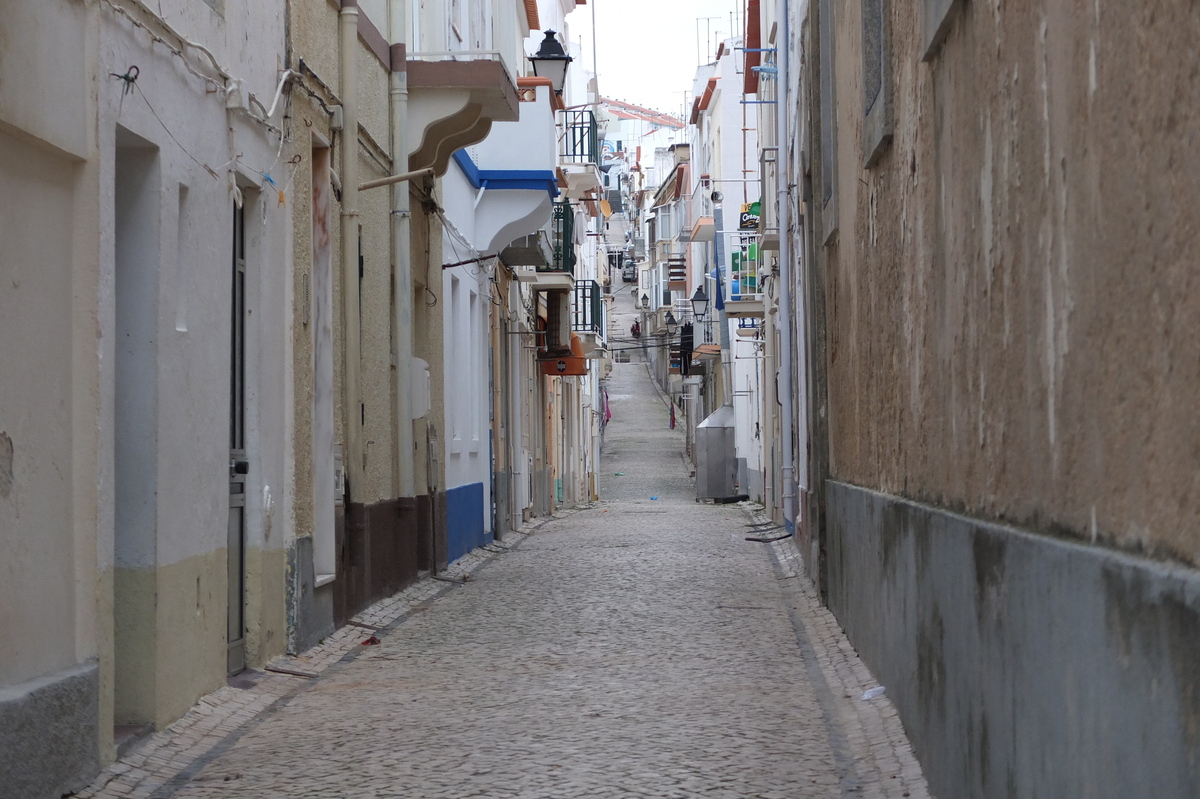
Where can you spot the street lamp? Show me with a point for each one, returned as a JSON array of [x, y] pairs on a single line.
[[671, 324], [699, 303], [645, 301], [551, 62]]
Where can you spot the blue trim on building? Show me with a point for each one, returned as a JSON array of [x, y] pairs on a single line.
[[520, 179], [464, 520]]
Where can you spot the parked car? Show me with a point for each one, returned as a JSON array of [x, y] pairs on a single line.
[[629, 272]]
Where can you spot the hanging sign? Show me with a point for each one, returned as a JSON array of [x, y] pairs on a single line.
[[748, 218]]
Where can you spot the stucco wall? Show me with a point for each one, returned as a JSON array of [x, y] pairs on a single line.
[[1011, 321], [36, 468], [171, 157]]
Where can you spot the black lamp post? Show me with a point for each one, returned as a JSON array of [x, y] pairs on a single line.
[[645, 301], [671, 324], [699, 303], [551, 62]]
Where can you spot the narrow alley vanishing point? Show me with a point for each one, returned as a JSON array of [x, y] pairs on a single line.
[[639, 647]]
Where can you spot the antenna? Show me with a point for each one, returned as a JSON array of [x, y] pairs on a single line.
[[701, 57]]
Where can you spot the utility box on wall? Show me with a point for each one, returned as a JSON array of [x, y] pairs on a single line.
[[716, 461]]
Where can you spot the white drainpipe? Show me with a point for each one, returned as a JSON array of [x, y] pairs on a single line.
[[402, 321], [352, 398], [786, 314]]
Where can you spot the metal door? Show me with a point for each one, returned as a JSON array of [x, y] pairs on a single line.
[[238, 466]]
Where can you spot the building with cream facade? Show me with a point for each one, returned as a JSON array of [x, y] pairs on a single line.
[[143, 458], [246, 390]]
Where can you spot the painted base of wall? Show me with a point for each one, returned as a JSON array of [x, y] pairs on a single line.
[[465, 528], [377, 555], [49, 734], [1022, 665], [750, 481], [310, 609], [431, 531], [543, 495], [169, 628], [503, 522], [266, 609]]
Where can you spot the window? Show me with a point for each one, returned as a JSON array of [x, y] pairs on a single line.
[[828, 124], [936, 18], [877, 80]]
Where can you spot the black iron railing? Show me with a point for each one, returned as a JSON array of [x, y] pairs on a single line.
[[564, 239], [587, 307], [580, 142]]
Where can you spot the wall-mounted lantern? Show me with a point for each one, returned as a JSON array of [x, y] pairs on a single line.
[[551, 61]]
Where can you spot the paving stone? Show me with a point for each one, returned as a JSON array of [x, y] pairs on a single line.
[[635, 647]]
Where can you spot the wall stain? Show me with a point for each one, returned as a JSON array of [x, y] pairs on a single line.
[[6, 464], [892, 527], [989, 550], [1155, 628], [931, 664]]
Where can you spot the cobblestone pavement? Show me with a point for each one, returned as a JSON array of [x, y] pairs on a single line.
[[638, 647]]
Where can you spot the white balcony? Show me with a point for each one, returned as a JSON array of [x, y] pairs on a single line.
[[510, 175], [454, 99], [579, 152]]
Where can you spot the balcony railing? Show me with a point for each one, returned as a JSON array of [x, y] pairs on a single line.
[[580, 140], [587, 308], [769, 221], [563, 238], [743, 261]]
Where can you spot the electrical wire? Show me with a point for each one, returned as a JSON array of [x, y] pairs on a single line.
[[198, 162], [178, 52]]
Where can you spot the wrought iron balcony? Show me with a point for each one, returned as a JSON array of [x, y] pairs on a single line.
[[547, 263], [563, 237], [580, 140], [587, 308]]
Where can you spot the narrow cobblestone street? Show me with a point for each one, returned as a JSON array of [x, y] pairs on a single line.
[[639, 647]]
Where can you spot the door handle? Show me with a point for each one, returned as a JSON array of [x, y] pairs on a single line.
[[239, 467]]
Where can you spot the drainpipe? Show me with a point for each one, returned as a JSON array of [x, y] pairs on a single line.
[[402, 321], [352, 401], [726, 386], [786, 315]]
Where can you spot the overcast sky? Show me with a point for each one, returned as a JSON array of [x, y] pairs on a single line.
[[647, 49]]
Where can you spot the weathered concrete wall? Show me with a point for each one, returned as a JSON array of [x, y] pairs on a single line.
[[1011, 335], [49, 733], [1012, 325], [1022, 665], [36, 457], [366, 549], [173, 164]]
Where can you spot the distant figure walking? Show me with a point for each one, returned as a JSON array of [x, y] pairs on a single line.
[[636, 330]]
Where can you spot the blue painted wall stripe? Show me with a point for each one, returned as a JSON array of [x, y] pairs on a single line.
[[522, 179], [465, 529]]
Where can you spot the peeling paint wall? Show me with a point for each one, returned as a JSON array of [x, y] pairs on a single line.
[[1006, 321], [1011, 313]]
